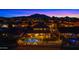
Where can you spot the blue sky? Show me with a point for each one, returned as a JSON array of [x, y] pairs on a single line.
[[49, 12]]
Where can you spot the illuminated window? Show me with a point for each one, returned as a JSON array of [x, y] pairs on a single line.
[[36, 34], [52, 25], [5, 26], [41, 34], [4, 34], [66, 25], [44, 28], [38, 28], [70, 25], [14, 25]]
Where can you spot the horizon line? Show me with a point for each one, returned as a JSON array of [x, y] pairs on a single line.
[[39, 14]]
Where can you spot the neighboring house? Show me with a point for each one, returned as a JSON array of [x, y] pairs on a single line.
[[39, 31]]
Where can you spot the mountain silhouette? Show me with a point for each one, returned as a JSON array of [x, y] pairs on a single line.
[[39, 17]]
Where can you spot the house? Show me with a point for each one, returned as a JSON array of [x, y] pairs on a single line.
[[69, 32], [35, 35], [39, 31], [70, 24]]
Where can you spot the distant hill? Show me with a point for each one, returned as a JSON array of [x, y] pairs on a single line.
[[40, 17], [33, 17]]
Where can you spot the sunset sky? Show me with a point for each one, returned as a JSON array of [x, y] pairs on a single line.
[[49, 12]]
